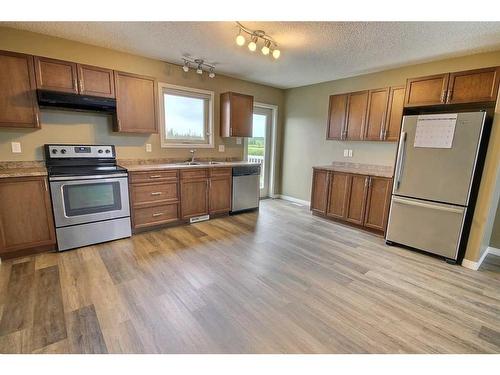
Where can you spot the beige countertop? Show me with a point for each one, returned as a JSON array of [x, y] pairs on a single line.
[[356, 168], [22, 169], [159, 166]]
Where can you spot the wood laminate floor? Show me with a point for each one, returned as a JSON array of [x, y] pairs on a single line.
[[277, 281]]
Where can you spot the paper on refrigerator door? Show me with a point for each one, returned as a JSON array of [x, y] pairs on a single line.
[[435, 131]]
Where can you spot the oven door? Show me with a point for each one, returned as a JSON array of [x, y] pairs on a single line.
[[86, 199]]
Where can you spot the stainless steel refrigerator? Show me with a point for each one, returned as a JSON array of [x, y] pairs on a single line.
[[436, 164]]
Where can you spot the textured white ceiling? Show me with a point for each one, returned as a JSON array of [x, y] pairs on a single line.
[[311, 51]]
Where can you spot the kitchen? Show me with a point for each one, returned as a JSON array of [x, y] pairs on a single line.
[[121, 227]]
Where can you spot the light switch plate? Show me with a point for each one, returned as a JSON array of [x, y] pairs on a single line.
[[16, 147], [346, 152], [350, 153], [148, 147], [222, 148], [238, 141]]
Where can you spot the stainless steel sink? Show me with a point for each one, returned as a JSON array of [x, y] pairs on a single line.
[[188, 163]]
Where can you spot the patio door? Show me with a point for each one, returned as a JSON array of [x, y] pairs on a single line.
[[259, 146]]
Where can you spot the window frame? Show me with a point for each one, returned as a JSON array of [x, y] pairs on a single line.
[[188, 92]]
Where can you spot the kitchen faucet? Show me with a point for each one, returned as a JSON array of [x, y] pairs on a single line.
[[192, 151]]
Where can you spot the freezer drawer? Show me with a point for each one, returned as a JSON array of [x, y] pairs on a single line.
[[432, 227]]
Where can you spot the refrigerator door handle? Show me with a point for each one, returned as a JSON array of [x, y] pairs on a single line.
[[401, 159], [428, 205]]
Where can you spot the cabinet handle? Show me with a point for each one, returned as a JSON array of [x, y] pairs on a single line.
[[367, 179], [75, 83], [155, 176], [81, 85], [449, 96], [158, 214], [45, 184], [156, 193], [443, 96], [37, 118], [385, 135], [231, 131]]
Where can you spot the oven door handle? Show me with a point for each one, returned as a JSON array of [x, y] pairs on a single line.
[[91, 177]]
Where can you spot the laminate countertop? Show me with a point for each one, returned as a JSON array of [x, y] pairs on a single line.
[[357, 168], [22, 169], [159, 166]]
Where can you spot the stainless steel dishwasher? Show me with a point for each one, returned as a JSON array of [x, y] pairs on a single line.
[[246, 189]]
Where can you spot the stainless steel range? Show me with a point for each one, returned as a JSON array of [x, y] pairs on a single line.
[[89, 194]]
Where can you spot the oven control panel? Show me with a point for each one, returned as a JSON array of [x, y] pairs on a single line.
[[81, 151]]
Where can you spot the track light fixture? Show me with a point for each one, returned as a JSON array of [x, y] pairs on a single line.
[[201, 66], [270, 46]]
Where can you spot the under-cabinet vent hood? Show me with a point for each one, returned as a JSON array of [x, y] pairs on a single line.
[[75, 101]]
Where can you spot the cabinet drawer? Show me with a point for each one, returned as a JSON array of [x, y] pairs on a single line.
[[148, 193], [194, 173], [153, 176], [149, 216], [221, 172]]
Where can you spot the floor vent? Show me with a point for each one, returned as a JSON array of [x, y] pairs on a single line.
[[198, 219]]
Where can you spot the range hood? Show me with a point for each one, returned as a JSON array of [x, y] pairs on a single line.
[[75, 101]]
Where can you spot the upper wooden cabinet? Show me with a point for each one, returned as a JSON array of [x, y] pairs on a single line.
[[471, 86], [394, 114], [56, 75], [136, 102], [236, 114], [356, 115], [18, 105], [480, 85], [428, 90], [26, 220], [337, 113], [372, 115], [96, 81], [377, 114]]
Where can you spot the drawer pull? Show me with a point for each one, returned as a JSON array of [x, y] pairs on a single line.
[[155, 176], [156, 193], [158, 214]]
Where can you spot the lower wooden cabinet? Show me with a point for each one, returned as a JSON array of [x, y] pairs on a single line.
[[358, 199], [194, 193], [220, 188], [26, 221]]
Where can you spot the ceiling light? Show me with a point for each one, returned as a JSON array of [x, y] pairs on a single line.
[[240, 39], [199, 70], [276, 53], [186, 66], [200, 64], [252, 46], [265, 48], [212, 73]]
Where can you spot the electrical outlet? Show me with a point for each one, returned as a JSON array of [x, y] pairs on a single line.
[[222, 148], [350, 153], [238, 141], [346, 152], [16, 147], [148, 147]]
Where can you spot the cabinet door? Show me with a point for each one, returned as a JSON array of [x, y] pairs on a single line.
[[96, 81], [18, 105], [136, 102], [236, 115], [357, 199], [56, 75], [194, 197], [394, 114], [338, 195], [428, 90], [220, 194], [356, 115], [337, 112], [376, 116], [377, 202], [319, 191], [25, 214], [480, 85]]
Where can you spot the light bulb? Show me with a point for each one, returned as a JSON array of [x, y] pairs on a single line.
[[276, 53], [212, 73], [199, 70], [252, 46], [265, 49], [186, 67], [240, 40]]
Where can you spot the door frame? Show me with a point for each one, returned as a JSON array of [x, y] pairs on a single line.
[[273, 142]]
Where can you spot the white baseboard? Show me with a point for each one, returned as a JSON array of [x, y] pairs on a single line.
[[292, 199], [475, 265]]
